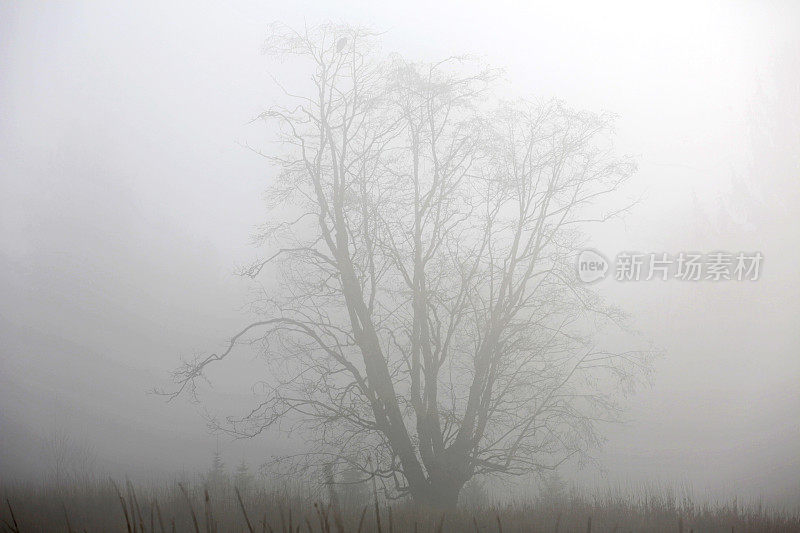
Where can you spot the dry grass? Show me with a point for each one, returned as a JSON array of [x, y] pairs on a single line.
[[110, 506]]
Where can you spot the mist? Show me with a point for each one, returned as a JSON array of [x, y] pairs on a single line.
[[130, 198]]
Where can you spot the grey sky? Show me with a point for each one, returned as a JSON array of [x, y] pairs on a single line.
[[126, 202]]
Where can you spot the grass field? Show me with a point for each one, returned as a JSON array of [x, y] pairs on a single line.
[[119, 506]]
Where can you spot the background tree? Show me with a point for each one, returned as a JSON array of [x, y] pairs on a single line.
[[67, 460], [217, 476], [427, 325], [242, 478]]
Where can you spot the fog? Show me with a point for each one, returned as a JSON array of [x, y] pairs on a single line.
[[128, 199]]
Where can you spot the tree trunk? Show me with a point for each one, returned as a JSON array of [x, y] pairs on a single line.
[[440, 493], [438, 500]]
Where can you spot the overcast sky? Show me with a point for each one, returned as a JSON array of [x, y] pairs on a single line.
[[127, 201]]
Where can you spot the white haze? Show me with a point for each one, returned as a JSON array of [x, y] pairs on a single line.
[[127, 201]]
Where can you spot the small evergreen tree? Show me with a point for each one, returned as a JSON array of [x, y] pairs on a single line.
[[243, 479], [216, 477]]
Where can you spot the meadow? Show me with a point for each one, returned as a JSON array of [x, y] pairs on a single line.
[[108, 505]]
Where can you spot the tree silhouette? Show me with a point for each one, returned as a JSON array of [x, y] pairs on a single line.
[[243, 479], [426, 325], [217, 475]]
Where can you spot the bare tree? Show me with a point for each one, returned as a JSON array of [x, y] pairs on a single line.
[[427, 326], [67, 460]]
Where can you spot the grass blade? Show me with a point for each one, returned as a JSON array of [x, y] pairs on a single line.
[[244, 511], [124, 507], [13, 518], [189, 503]]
